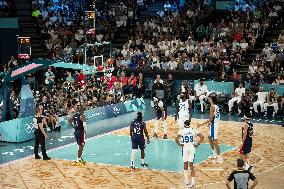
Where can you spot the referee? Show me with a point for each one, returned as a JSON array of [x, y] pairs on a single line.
[[40, 135], [241, 177]]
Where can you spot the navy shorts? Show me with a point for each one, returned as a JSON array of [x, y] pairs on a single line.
[[80, 138], [138, 143], [246, 148], [160, 115]]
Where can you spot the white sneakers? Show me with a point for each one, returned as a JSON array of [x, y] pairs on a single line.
[[219, 159], [213, 156], [191, 185]]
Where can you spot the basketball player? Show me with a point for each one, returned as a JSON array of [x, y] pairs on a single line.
[[137, 131], [213, 124], [160, 112], [247, 133], [183, 110], [78, 121], [188, 145]]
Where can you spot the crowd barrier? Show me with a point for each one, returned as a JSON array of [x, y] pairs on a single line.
[[214, 86], [21, 129]]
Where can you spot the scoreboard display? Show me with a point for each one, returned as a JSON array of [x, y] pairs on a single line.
[[24, 40], [24, 48], [90, 15]]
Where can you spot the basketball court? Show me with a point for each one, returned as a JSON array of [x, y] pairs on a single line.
[[108, 159]]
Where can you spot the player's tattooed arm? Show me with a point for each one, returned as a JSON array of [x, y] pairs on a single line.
[[212, 110]]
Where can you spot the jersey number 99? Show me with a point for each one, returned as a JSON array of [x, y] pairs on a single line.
[[187, 139]]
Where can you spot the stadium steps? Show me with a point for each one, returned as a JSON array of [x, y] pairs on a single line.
[[272, 33], [28, 27], [151, 10]]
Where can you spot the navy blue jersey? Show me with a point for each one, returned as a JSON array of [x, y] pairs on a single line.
[[78, 123], [249, 133], [44, 106], [137, 129]]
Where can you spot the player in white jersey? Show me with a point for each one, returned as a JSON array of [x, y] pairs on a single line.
[[188, 144], [183, 110], [213, 123]]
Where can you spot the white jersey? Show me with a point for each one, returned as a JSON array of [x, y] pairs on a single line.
[[200, 89], [261, 96], [240, 91], [188, 137], [183, 109], [216, 113], [214, 125]]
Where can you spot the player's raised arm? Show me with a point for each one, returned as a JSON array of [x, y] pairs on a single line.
[[211, 117]]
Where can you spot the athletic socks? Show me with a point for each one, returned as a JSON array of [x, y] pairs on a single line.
[[192, 181], [165, 127], [156, 127], [142, 161], [213, 155], [133, 157], [186, 180]]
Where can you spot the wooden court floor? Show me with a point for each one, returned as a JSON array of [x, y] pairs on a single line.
[[267, 158]]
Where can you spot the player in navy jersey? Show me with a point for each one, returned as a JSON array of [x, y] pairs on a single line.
[[78, 121], [137, 131], [247, 133]]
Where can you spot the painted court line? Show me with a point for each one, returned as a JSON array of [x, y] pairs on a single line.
[[60, 147]]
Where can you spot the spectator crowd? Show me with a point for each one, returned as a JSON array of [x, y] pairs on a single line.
[[175, 39]]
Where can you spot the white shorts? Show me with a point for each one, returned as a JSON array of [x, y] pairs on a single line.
[[188, 154], [213, 130]]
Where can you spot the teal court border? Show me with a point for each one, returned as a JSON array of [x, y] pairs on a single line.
[[112, 149]]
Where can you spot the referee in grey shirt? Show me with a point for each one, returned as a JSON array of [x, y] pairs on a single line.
[[241, 177]]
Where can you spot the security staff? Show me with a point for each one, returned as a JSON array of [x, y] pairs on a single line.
[[40, 135]]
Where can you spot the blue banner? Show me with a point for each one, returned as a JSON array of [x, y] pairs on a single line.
[[21, 129]]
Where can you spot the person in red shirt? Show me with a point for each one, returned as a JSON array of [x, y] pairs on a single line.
[[124, 80], [81, 79], [132, 83], [238, 36]]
